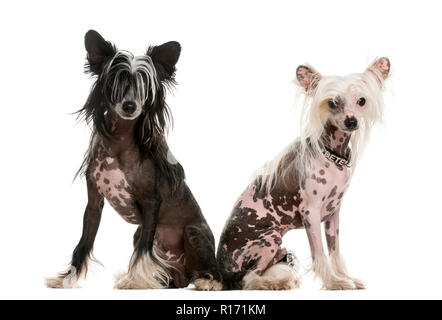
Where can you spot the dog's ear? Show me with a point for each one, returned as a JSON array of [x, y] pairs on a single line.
[[307, 78], [166, 56], [380, 68], [99, 51]]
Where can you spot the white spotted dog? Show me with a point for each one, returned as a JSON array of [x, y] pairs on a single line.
[[304, 185]]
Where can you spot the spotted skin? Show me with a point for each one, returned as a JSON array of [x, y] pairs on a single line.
[[251, 241], [252, 238], [129, 164], [130, 183], [112, 185]]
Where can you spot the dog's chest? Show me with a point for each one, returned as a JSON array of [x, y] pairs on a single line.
[[112, 183], [325, 187]]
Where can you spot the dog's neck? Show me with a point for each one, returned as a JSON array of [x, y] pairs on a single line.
[[122, 133], [336, 140]]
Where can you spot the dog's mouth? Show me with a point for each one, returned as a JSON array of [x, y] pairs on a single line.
[[131, 116], [350, 130], [127, 113], [346, 129]]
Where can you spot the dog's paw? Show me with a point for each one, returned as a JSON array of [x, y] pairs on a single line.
[[125, 282], [289, 283], [359, 284], [207, 285], [60, 282], [54, 282], [340, 284], [267, 283], [296, 283]]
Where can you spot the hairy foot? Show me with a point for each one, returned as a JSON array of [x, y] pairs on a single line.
[[267, 283], [360, 285], [340, 284], [60, 282], [207, 285]]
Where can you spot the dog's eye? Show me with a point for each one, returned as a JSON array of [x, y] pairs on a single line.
[[332, 104], [361, 101]]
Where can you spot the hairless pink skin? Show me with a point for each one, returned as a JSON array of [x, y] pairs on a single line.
[[112, 184], [251, 241], [115, 172]]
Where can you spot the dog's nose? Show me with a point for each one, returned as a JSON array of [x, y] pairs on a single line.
[[351, 123], [129, 107]]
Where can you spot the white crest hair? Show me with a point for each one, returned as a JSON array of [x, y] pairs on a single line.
[[141, 67], [313, 118]]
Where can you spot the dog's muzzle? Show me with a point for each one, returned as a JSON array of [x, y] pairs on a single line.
[[351, 123], [129, 107]]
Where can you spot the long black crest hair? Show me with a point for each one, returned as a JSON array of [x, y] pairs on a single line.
[[149, 76]]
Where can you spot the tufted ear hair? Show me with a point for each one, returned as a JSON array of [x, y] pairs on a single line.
[[380, 68], [307, 78], [99, 51], [165, 56]]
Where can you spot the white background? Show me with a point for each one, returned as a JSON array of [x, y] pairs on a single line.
[[233, 111]]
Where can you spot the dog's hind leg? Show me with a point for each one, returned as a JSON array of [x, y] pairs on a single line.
[[199, 248], [280, 276], [148, 268], [331, 229], [270, 273], [83, 252]]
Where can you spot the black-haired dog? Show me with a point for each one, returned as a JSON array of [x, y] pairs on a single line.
[[129, 164]]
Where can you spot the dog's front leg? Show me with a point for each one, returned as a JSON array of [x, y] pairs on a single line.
[[147, 268], [149, 214], [337, 262], [320, 262], [83, 251]]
